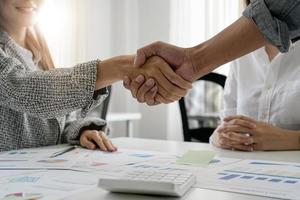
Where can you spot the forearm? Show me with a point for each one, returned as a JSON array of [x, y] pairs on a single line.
[[46, 94], [112, 70], [240, 38], [290, 140]]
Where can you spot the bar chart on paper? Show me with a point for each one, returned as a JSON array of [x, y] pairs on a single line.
[[271, 179]]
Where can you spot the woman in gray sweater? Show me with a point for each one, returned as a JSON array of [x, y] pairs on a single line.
[[41, 105]]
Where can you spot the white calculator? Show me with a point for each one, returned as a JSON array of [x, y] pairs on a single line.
[[150, 182]]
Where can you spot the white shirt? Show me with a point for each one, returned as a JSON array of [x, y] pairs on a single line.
[[265, 91]]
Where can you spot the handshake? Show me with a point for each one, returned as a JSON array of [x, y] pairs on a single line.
[[162, 73]]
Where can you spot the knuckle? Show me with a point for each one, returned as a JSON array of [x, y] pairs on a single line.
[[140, 51], [185, 92], [234, 121], [140, 100], [168, 95], [242, 116], [239, 116], [237, 121], [222, 141], [158, 43], [220, 133], [99, 138], [149, 104], [149, 96], [177, 98], [101, 133], [248, 140]]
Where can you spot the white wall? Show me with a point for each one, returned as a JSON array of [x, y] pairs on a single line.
[[137, 23]]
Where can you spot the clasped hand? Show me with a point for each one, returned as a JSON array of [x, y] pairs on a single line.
[[246, 134], [156, 82], [166, 79]]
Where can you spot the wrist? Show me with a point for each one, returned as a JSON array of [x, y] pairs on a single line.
[[199, 60], [291, 140], [112, 70], [295, 138]]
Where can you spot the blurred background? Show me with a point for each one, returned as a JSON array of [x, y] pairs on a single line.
[[81, 30]]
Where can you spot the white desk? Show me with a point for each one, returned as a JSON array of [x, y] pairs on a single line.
[[180, 147], [127, 117]]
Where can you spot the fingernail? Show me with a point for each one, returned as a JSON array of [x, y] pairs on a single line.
[[111, 149], [251, 141], [154, 89], [149, 82], [126, 80], [151, 102], [139, 79]]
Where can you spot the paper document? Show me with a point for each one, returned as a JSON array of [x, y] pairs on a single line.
[[262, 178], [45, 185], [37, 176], [194, 157]]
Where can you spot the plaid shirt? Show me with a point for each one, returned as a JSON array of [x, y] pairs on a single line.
[[39, 108]]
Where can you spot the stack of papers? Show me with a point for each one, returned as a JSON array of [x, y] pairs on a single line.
[[33, 174]]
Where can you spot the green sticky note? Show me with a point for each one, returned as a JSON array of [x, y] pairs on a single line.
[[194, 157]]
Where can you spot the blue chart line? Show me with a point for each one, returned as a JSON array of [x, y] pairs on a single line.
[[247, 177], [241, 175], [291, 182], [261, 174], [214, 161], [261, 178], [229, 177], [275, 180], [264, 163], [271, 164], [141, 155]]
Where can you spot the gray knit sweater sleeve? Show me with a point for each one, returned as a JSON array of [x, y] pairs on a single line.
[[47, 94], [74, 126]]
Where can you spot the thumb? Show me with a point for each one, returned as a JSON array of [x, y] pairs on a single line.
[[144, 53], [140, 58]]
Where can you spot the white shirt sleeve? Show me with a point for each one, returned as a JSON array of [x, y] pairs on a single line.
[[230, 92]]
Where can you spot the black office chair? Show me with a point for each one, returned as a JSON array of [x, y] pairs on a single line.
[[99, 112], [104, 106], [201, 134]]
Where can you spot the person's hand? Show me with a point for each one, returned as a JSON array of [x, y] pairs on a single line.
[[92, 139], [264, 136], [162, 83], [178, 58], [145, 91], [223, 137]]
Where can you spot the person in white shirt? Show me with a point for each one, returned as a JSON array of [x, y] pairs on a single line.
[[261, 102]]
